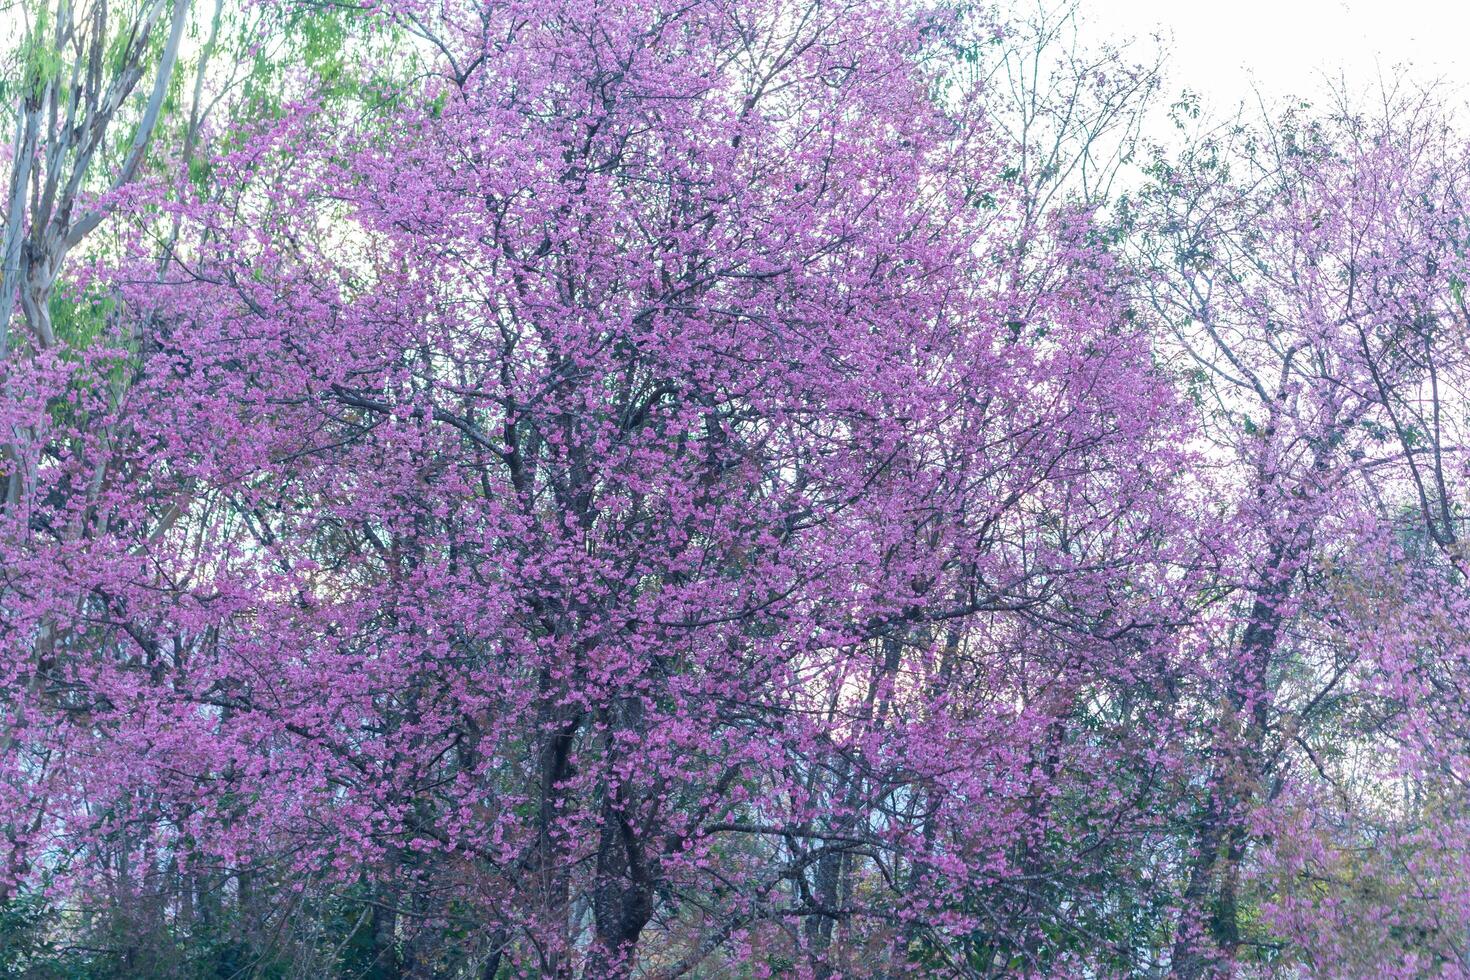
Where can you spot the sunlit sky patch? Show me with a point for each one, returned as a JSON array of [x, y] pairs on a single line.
[[1226, 52]]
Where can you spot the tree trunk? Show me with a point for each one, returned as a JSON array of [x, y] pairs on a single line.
[[1221, 836], [622, 902]]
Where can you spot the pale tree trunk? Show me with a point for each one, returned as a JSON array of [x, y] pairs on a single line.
[[60, 130]]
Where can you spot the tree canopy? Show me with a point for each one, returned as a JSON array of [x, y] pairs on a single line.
[[769, 488]]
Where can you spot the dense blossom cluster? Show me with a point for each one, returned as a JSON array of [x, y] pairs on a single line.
[[670, 491]]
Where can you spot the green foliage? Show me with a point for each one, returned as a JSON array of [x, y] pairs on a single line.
[[81, 320], [24, 924], [40, 62]]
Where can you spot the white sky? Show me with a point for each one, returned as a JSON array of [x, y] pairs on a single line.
[[1220, 48]]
